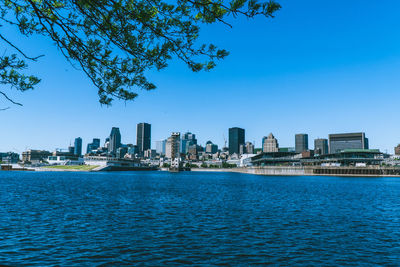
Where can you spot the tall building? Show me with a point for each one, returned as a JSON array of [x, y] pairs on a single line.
[[242, 149], [172, 146], [188, 139], [339, 142], [321, 146], [270, 144], [143, 137], [78, 147], [93, 146], [115, 141], [211, 148], [249, 148], [301, 142], [160, 147], [397, 150], [236, 138]]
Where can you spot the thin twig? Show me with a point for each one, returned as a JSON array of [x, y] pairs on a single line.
[[19, 50], [9, 99]]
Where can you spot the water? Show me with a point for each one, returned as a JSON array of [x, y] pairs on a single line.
[[158, 218]]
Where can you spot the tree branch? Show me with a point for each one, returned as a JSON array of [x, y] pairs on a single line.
[[9, 99], [19, 50]]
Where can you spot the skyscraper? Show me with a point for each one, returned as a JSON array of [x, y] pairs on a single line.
[[321, 146], [270, 144], [188, 139], [115, 140], [339, 142], [93, 146], [211, 148], [236, 138], [301, 142], [249, 148], [78, 147], [173, 145], [143, 137]]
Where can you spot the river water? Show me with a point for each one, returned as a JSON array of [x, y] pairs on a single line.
[[159, 218]]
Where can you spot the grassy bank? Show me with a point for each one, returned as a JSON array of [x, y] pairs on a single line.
[[73, 167]]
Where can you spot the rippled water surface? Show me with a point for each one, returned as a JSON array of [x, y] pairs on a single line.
[[158, 218]]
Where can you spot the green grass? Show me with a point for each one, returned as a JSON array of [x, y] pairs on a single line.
[[73, 167]]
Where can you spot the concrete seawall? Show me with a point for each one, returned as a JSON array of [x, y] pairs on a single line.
[[370, 171]]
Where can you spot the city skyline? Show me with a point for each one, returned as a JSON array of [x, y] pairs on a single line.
[[326, 74], [236, 139]]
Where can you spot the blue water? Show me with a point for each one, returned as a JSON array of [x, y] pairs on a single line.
[[158, 218]]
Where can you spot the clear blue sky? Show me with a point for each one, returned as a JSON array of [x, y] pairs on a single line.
[[319, 67]]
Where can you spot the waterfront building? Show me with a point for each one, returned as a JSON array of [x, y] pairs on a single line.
[[78, 147], [143, 137], [249, 148], [35, 155], [347, 157], [397, 150], [173, 145], [211, 148], [115, 141], [64, 160], [236, 138], [307, 154], [188, 139], [93, 146], [270, 144], [339, 142], [9, 157], [286, 149], [321, 146], [301, 142], [65, 154]]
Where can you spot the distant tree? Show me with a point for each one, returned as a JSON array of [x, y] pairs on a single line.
[[166, 165], [114, 42]]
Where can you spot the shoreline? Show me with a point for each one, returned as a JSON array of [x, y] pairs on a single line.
[[371, 171]]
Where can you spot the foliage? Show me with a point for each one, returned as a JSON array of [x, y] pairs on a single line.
[[189, 165], [114, 42], [227, 165], [214, 166]]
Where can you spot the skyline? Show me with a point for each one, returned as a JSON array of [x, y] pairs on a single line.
[[316, 70], [301, 141]]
